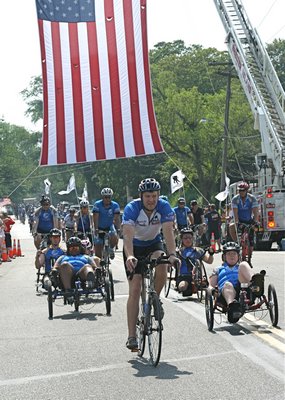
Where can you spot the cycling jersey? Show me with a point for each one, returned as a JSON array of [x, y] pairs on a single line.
[[225, 274], [52, 254], [77, 261], [69, 221], [45, 218], [194, 253], [181, 215], [147, 229], [106, 214], [244, 208], [84, 221], [198, 216]]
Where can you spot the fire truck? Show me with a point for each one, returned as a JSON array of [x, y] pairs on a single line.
[[266, 97]]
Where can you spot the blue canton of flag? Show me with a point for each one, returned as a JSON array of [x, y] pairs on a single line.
[[66, 10]]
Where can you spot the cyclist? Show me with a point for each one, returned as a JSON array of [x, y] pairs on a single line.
[[189, 255], [72, 264], [183, 217], [84, 220], [46, 257], [198, 220], [106, 217], [143, 219], [230, 275], [213, 219], [69, 224], [245, 210], [45, 219]]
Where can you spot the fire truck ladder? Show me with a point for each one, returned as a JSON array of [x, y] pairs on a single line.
[[259, 80]]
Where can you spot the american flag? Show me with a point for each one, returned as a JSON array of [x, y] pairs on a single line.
[[96, 81]]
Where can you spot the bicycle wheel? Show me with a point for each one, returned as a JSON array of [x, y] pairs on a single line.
[[107, 296], [154, 331], [168, 281], [272, 305], [141, 331], [112, 292], [76, 300], [50, 303], [209, 309]]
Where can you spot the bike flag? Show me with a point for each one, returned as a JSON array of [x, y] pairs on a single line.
[[97, 96], [84, 195], [176, 180], [70, 186], [47, 186], [223, 195]]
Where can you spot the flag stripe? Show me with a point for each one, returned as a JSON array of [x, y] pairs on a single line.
[[44, 150], [114, 79], [95, 91], [130, 43], [96, 81], [77, 93]]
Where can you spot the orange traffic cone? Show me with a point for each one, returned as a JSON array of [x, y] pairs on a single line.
[[5, 256], [19, 252], [212, 241], [14, 248], [10, 252]]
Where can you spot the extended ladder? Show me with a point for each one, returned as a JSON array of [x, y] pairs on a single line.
[[259, 80]]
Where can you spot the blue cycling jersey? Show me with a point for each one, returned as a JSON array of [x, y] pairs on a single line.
[[52, 254], [147, 229], [84, 221], [181, 214], [45, 221], [225, 274], [77, 262], [244, 208], [106, 214], [194, 253]]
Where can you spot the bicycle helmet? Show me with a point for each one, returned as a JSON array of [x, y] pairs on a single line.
[[194, 202], [71, 209], [74, 241], [86, 244], [231, 246], [149, 185], [84, 203], [45, 200], [184, 231], [243, 186], [106, 192], [181, 200], [55, 232]]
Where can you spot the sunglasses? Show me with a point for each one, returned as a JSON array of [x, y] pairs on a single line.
[[107, 197], [187, 237], [241, 190]]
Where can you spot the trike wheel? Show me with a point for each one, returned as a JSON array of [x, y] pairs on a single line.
[[107, 296], [168, 281], [272, 305], [112, 292], [154, 329], [76, 300], [50, 303], [209, 309]]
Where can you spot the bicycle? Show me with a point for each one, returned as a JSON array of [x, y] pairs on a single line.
[[245, 233], [149, 322], [105, 261]]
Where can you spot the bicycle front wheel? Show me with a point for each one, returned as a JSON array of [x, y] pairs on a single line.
[[154, 329], [140, 330], [168, 281]]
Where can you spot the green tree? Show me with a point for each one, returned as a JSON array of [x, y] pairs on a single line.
[[276, 51]]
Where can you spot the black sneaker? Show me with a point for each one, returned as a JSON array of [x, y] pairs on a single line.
[[132, 343], [234, 312], [257, 284], [90, 280]]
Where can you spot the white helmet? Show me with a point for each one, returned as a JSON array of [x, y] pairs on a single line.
[[106, 192], [84, 203]]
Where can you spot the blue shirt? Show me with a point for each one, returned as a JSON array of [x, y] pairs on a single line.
[[84, 220], [52, 255], [45, 221], [194, 253], [147, 229], [181, 214], [225, 274], [77, 262], [244, 208], [106, 214]]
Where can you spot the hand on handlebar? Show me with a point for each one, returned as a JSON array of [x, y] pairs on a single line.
[[174, 260], [131, 263]]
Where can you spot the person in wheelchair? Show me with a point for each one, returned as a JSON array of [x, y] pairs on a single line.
[[228, 279], [74, 264], [47, 257], [189, 255]]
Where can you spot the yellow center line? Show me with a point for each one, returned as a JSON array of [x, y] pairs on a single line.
[[275, 331]]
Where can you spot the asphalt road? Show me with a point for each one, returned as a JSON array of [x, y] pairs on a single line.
[[82, 355]]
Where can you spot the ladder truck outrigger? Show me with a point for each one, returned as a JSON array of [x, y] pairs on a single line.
[[267, 101]]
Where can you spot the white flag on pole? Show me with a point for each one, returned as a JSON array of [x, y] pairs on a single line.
[[70, 186], [223, 195], [176, 180], [47, 186], [84, 195]]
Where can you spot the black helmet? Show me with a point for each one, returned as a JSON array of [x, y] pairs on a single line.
[[231, 246], [55, 232], [184, 231], [149, 185], [44, 200], [74, 241], [194, 202]]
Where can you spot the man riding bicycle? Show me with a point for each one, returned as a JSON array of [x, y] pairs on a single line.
[[46, 218], [143, 219], [183, 217], [245, 210]]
